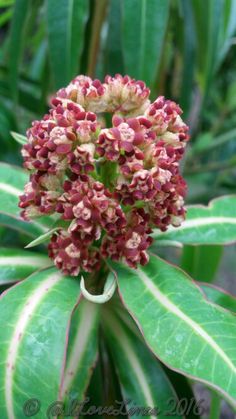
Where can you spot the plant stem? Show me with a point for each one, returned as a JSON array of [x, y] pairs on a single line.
[[99, 16], [215, 406]]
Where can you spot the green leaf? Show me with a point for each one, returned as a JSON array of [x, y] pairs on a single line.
[[186, 332], [5, 17], [36, 315], [66, 23], [142, 379], [30, 229], [113, 51], [18, 23], [6, 3], [112, 391], [228, 30], [209, 22], [206, 142], [82, 351], [189, 55], [16, 264], [12, 182], [184, 390], [201, 262], [21, 139], [180, 383], [212, 224], [143, 29], [218, 296], [42, 239], [95, 391], [27, 100]]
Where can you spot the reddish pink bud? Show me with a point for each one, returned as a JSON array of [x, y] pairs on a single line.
[[72, 157]]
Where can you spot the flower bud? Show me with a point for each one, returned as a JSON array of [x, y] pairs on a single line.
[[109, 185]]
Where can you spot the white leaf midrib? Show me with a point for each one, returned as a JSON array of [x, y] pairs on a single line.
[[24, 318], [194, 223], [32, 261], [133, 360], [85, 326], [167, 304], [10, 189]]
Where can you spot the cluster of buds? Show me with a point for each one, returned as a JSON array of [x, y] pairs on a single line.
[[109, 186]]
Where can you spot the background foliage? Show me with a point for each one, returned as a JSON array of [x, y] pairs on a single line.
[[180, 48]]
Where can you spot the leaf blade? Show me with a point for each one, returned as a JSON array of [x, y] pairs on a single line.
[[66, 21], [142, 40], [18, 22], [82, 351], [42, 238], [17, 264], [32, 343], [141, 376], [19, 138], [219, 296], [12, 182], [214, 224], [193, 261], [187, 333]]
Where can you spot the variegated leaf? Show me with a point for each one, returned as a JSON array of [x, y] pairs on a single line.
[[183, 329], [16, 264], [35, 315], [12, 182], [143, 381], [218, 296], [212, 224], [82, 351]]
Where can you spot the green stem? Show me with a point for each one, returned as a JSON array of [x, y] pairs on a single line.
[[215, 406], [108, 171]]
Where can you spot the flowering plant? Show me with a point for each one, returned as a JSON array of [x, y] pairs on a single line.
[[105, 189], [110, 185]]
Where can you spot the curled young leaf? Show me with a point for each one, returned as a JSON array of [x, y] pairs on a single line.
[[108, 292]]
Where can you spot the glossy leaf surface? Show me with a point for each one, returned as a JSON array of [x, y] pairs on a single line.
[[181, 327], [35, 314], [143, 29], [82, 351], [142, 379], [201, 262], [18, 23], [16, 264], [218, 296], [12, 182], [212, 224], [66, 21]]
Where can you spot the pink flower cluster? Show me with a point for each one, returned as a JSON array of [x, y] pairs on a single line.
[[108, 186]]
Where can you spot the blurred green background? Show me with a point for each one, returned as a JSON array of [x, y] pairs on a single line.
[[183, 49]]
